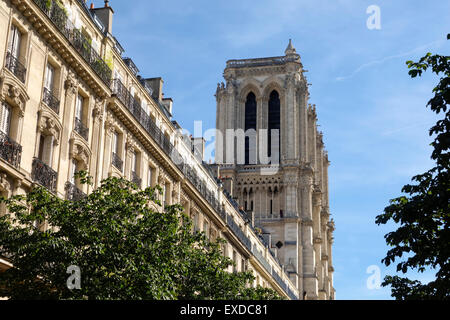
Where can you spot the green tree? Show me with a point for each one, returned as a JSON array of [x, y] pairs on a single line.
[[124, 249], [422, 240]]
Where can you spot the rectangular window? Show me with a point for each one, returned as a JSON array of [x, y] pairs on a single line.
[[206, 228], [5, 118], [15, 40], [49, 77], [235, 261], [46, 149], [149, 177], [79, 108], [115, 143], [74, 170], [213, 234], [196, 222], [133, 162]]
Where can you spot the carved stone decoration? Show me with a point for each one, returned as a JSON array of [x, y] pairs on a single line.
[[97, 111], [110, 123], [131, 145], [289, 81], [49, 126], [5, 185], [71, 84], [14, 93], [80, 152]]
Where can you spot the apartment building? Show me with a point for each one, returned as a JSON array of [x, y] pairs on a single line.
[[71, 100]]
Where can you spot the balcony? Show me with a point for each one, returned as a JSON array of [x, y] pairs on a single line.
[[117, 162], [44, 175], [81, 44], [13, 65], [10, 151], [50, 100], [136, 179], [239, 233], [81, 129], [73, 193]]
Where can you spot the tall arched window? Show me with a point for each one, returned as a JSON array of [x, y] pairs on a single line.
[[250, 122], [274, 120]]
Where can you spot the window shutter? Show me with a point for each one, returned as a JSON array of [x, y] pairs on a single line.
[[5, 116], [145, 107], [49, 77], [133, 162], [79, 108], [74, 170], [14, 41], [48, 150], [149, 177], [114, 142]]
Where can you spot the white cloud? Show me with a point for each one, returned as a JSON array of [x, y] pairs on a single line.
[[421, 48]]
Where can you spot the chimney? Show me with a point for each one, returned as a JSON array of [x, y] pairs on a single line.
[[168, 104], [105, 15], [198, 148], [157, 86]]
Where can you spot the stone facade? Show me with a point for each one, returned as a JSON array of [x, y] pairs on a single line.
[[287, 198], [71, 102]]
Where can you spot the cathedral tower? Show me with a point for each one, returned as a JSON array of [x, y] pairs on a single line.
[[273, 162]]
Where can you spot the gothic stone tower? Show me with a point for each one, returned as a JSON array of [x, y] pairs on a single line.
[[288, 199]]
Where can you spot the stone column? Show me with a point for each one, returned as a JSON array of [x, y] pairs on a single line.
[[303, 121], [317, 234], [221, 124], [107, 154], [130, 147], [310, 279], [291, 188], [71, 90], [97, 132], [232, 113], [289, 124], [312, 136]]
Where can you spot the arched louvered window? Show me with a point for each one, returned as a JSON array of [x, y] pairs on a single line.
[[274, 121], [250, 122]]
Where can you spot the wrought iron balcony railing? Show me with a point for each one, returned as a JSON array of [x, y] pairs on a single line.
[[50, 100], [83, 46], [44, 175], [117, 162], [13, 65], [73, 193], [81, 129], [10, 151], [239, 233], [278, 280], [136, 179]]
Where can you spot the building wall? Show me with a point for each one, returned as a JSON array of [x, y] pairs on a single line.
[[52, 138]]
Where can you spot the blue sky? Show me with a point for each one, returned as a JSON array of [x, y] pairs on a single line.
[[372, 114]]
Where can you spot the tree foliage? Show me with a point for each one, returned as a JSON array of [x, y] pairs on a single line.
[[423, 237], [124, 249]]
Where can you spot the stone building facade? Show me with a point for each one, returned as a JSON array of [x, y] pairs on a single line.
[[273, 162], [71, 101]]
